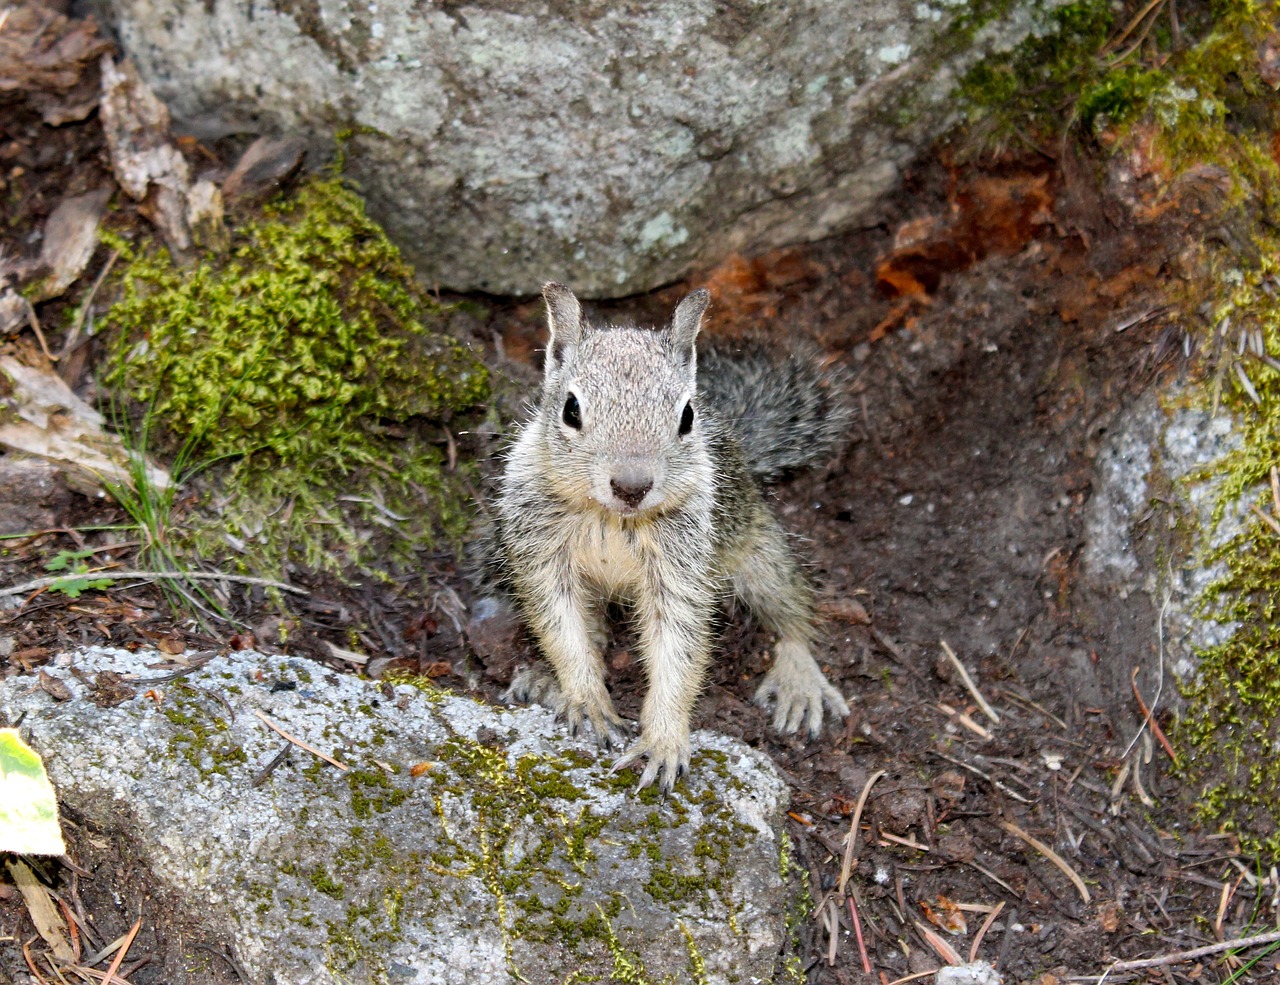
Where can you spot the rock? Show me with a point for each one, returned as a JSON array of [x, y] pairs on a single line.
[[34, 493], [462, 843], [975, 973], [1150, 521], [610, 146]]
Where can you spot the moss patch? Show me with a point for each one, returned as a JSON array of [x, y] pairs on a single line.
[[1228, 734], [1086, 68], [313, 374]]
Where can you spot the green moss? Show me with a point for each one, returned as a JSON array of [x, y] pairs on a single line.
[[201, 738], [1227, 736], [372, 792], [1026, 88], [308, 371], [325, 883], [1066, 75]]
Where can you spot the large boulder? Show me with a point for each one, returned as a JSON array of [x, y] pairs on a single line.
[[461, 843], [611, 146]]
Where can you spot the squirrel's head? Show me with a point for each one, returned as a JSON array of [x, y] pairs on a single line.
[[619, 410]]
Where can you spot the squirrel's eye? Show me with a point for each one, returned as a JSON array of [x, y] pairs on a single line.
[[572, 413], [686, 419]]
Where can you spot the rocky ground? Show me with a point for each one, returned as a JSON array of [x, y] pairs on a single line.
[[996, 326]]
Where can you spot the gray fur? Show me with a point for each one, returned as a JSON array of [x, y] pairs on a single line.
[[636, 481]]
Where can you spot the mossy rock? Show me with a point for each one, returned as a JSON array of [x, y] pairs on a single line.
[[1228, 734], [310, 376]]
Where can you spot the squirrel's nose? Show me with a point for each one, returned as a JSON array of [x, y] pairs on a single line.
[[631, 488]]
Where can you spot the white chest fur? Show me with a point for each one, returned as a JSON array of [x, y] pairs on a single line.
[[611, 555]]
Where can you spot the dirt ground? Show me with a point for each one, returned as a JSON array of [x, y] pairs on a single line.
[[995, 322]]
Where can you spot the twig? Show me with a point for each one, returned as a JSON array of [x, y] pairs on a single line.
[[34, 322], [846, 867], [72, 340], [1155, 702], [982, 931], [124, 949], [1199, 952], [857, 932], [31, 963], [1138, 18], [1002, 787], [912, 978], [1275, 489], [905, 842], [944, 950], [298, 742], [993, 877], [1051, 855], [1270, 521], [968, 682], [964, 720], [1149, 716], [271, 767], [40, 583]]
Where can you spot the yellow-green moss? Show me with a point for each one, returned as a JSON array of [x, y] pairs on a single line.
[[310, 370], [1227, 737], [202, 737]]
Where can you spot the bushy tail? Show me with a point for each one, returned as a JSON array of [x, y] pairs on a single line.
[[788, 409]]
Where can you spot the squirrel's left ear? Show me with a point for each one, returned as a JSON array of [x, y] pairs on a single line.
[[564, 320], [687, 320]]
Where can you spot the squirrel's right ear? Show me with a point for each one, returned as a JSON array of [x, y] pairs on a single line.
[[564, 320], [687, 320]]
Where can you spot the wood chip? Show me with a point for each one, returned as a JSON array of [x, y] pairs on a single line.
[[48, 921], [49, 421], [70, 237], [149, 167]]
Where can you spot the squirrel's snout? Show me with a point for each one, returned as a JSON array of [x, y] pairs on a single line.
[[631, 489]]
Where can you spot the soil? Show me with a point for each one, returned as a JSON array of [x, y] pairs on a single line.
[[995, 323]]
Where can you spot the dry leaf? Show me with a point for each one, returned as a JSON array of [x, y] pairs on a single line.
[[946, 915], [262, 169], [40, 415], [50, 61], [54, 687]]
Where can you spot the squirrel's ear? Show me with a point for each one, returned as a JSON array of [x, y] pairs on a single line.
[[564, 320], [687, 320]]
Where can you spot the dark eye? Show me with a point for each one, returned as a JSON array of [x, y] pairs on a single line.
[[686, 419], [572, 413]]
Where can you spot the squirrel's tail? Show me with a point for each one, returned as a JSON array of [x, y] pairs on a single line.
[[788, 409]]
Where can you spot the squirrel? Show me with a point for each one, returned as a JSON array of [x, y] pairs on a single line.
[[637, 480]]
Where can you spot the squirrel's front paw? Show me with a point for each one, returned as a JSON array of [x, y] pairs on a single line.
[[799, 693], [668, 759], [538, 684], [610, 730]]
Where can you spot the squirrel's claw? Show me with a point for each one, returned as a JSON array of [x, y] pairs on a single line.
[[668, 761], [611, 732], [538, 684], [799, 699]]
